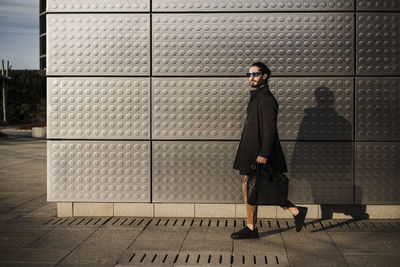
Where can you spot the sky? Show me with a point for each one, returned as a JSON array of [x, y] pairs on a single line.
[[19, 33]]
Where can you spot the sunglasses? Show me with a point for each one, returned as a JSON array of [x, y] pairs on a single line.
[[254, 74]]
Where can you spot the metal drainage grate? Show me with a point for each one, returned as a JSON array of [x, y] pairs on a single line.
[[127, 222], [97, 222], [279, 259], [80, 222], [164, 258], [148, 258], [354, 225], [351, 225], [214, 223], [171, 222], [188, 222]]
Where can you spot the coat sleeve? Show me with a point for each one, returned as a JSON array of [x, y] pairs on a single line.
[[267, 124]]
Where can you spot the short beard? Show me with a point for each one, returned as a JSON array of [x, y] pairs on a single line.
[[259, 84]]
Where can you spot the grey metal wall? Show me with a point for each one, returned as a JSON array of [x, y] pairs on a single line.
[[146, 99]]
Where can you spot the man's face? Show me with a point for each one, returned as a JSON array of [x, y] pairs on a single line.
[[256, 81]]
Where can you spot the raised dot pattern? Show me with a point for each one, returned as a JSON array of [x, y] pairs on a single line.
[[228, 43], [254, 5], [199, 108], [377, 172], [97, 5], [100, 44], [99, 108], [95, 171], [195, 172], [314, 108], [378, 109], [378, 44], [320, 172], [378, 5]]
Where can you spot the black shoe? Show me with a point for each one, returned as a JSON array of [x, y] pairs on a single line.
[[245, 233], [300, 217]]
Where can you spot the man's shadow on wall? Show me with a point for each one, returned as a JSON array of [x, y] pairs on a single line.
[[322, 122]]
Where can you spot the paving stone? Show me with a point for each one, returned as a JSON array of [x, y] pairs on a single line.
[[12, 162], [7, 252], [114, 239], [209, 233], [84, 265], [306, 242], [362, 242], [62, 239], [207, 245], [265, 234], [203, 259], [44, 210], [54, 244], [93, 256], [157, 233], [32, 233], [160, 245], [273, 243], [25, 264], [148, 258], [122, 244], [69, 234], [38, 255], [394, 245], [15, 243], [317, 260], [27, 222], [372, 259], [110, 234], [269, 259], [19, 167]]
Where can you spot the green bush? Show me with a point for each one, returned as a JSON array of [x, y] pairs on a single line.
[[26, 97]]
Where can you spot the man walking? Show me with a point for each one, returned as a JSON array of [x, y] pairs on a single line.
[[260, 143]]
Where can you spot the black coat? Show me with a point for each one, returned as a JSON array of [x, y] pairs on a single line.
[[260, 135]]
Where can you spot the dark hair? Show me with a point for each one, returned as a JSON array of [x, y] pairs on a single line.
[[263, 68]]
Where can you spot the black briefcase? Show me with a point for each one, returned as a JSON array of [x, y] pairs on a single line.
[[265, 186]]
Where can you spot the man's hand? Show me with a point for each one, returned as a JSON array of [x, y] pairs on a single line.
[[261, 160]]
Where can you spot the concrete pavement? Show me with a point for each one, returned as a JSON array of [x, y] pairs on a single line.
[[32, 235]]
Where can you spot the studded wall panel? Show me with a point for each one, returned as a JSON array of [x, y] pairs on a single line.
[[97, 5], [165, 81], [378, 5], [255, 5], [204, 108], [378, 109], [320, 172], [98, 44], [314, 108], [378, 44], [377, 172], [98, 108], [98, 171], [201, 108], [226, 44], [198, 172]]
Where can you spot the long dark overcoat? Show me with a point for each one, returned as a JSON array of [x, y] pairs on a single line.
[[260, 135]]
